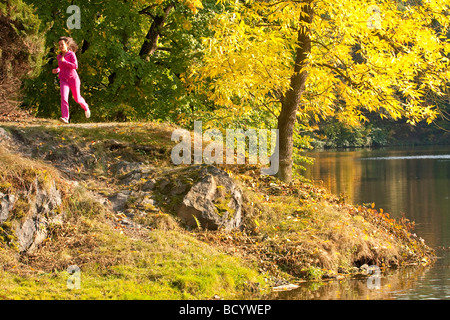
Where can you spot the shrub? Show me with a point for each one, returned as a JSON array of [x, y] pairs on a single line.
[[21, 50]]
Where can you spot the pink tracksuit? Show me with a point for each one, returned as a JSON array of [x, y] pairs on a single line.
[[69, 80]]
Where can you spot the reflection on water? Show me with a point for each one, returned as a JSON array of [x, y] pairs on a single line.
[[394, 285], [414, 183], [428, 156]]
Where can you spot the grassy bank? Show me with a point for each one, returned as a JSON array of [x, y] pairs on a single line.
[[290, 232], [114, 262]]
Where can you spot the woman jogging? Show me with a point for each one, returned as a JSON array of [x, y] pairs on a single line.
[[69, 79]]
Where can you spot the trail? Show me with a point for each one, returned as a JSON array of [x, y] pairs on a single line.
[[37, 122]]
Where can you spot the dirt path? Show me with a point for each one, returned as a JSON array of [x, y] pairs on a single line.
[[40, 122], [21, 118]]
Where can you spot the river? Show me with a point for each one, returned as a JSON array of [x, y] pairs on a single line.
[[414, 183]]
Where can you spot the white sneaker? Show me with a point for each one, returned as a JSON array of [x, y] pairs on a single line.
[[64, 120], [87, 113]]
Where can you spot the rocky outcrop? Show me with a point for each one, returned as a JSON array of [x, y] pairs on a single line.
[[25, 217], [4, 136], [199, 195], [6, 204], [213, 201], [196, 196]]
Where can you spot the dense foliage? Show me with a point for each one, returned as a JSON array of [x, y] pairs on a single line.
[[339, 66], [131, 59], [21, 50]]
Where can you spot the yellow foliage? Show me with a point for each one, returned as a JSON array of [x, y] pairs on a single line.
[[194, 5], [381, 57]]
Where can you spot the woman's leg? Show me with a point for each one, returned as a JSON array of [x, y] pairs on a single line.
[[75, 88], [65, 88]]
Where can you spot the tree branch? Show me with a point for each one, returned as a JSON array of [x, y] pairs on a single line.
[[150, 44]]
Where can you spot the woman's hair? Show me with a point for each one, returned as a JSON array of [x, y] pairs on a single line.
[[71, 44]]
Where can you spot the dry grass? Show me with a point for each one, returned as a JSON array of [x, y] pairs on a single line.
[[163, 263], [292, 230]]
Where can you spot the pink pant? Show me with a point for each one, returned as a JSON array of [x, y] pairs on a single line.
[[73, 85]]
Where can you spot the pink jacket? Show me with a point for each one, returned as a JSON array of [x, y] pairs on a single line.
[[67, 68]]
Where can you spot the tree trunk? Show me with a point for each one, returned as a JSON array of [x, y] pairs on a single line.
[[291, 100], [150, 44]]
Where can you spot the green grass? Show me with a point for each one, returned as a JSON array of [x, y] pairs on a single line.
[[169, 266]]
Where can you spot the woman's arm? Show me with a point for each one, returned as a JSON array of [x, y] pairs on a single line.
[[70, 60]]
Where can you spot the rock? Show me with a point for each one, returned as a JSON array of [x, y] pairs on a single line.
[[202, 195], [342, 270], [132, 202], [119, 200], [31, 233], [149, 204], [214, 200], [4, 135], [6, 205], [124, 167], [31, 228], [164, 185], [43, 211], [178, 189], [115, 145], [131, 178], [46, 199], [134, 176], [364, 268], [148, 185], [286, 287]]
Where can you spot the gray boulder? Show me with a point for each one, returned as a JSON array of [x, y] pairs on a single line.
[[119, 200], [6, 204], [213, 201], [4, 135], [42, 209], [198, 195]]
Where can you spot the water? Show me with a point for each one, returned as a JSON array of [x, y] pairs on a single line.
[[414, 183]]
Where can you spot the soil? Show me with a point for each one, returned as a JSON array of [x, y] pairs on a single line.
[[18, 115]]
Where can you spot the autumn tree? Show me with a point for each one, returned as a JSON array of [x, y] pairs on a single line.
[[313, 59]]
